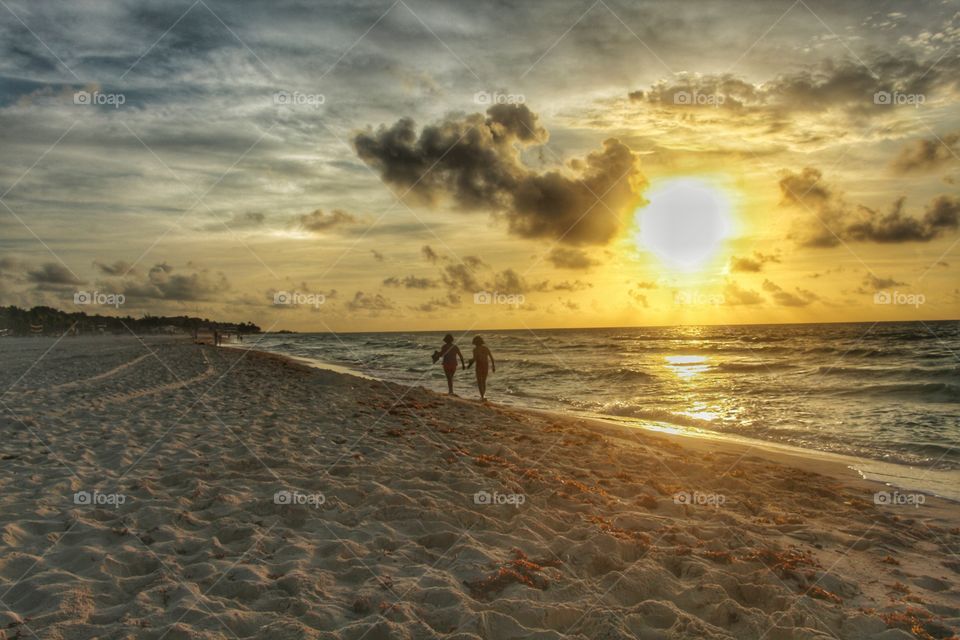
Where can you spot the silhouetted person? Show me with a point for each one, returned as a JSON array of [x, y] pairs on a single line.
[[449, 353], [484, 361]]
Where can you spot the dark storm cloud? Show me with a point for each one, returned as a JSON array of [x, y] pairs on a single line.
[[838, 220], [317, 221], [475, 162], [928, 154]]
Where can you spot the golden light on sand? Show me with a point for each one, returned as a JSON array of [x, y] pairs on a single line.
[[687, 366], [685, 221]]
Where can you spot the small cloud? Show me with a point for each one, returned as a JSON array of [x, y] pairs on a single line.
[[753, 264], [318, 221], [449, 302], [238, 221], [571, 258], [377, 255], [735, 295], [429, 254], [118, 268], [837, 220], [873, 283], [783, 298], [928, 154], [411, 282], [639, 298], [576, 285], [372, 304], [53, 273]]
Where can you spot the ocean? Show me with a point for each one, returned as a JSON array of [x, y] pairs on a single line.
[[886, 395]]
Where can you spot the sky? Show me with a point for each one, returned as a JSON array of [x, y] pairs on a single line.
[[406, 165]]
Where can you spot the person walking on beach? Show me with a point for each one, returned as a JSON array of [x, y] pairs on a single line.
[[449, 353], [484, 361]]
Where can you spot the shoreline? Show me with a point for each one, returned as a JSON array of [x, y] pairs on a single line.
[[943, 485]]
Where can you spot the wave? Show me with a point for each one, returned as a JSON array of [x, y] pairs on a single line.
[[656, 415], [928, 391], [623, 374], [952, 373], [735, 367]]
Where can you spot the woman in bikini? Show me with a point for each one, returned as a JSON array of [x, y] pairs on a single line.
[[449, 353], [484, 360]]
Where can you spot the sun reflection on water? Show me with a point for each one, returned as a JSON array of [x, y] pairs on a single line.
[[687, 367]]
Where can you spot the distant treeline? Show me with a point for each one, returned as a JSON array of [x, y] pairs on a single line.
[[50, 321]]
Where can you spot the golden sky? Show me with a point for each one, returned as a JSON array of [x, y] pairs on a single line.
[[419, 165]]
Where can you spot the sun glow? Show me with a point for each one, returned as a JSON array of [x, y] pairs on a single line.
[[685, 221]]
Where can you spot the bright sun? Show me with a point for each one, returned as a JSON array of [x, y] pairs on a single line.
[[685, 221]]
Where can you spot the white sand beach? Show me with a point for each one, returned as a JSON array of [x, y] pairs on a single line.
[[165, 490]]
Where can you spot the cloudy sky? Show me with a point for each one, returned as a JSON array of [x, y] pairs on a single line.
[[387, 165]]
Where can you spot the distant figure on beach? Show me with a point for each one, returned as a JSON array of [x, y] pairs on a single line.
[[449, 353], [484, 361]]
